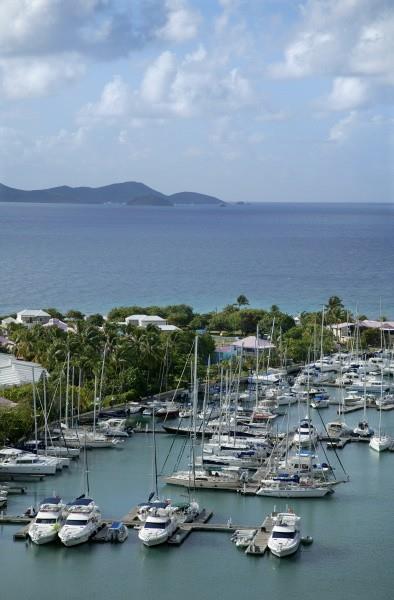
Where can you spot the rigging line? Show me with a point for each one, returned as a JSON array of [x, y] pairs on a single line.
[[336, 453]]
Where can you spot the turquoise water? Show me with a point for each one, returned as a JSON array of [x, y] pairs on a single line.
[[350, 558], [294, 255]]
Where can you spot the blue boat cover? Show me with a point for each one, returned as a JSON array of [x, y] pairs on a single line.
[[52, 500], [116, 525], [80, 502]]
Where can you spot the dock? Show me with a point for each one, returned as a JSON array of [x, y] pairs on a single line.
[[259, 543], [184, 530]]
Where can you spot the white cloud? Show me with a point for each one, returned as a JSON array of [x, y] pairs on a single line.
[[182, 22], [45, 43], [114, 100], [348, 93], [173, 87], [31, 77], [349, 40], [158, 78], [342, 130]]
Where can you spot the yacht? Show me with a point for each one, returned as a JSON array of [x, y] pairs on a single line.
[[16, 462], [49, 520], [380, 442], [318, 402], [294, 487], [83, 520], [113, 427], [305, 434], [363, 430], [286, 535], [157, 528]]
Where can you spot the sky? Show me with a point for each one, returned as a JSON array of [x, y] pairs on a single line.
[[247, 100]]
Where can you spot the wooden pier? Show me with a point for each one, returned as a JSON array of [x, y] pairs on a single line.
[[259, 543]]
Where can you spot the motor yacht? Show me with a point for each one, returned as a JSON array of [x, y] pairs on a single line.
[[157, 528], [363, 430], [305, 434], [286, 534], [50, 518], [83, 520]]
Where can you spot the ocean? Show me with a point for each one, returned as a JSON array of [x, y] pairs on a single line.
[[294, 255]]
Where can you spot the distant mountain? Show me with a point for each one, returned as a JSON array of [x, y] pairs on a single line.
[[133, 193], [193, 198]]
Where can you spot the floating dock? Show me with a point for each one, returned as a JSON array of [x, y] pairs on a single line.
[[259, 543]]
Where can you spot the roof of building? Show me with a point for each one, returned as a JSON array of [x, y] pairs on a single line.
[[251, 343], [8, 320], [386, 325], [168, 328], [31, 312], [57, 323]]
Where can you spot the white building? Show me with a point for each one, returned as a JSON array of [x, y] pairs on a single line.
[[8, 321], [18, 372], [59, 325], [30, 317], [145, 320]]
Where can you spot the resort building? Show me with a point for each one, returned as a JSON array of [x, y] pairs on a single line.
[[18, 372], [145, 320], [59, 325], [30, 317], [345, 331], [248, 345]]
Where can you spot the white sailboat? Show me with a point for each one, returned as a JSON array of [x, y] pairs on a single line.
[[380, 442]]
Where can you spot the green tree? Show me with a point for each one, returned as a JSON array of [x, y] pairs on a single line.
[[242, 300]]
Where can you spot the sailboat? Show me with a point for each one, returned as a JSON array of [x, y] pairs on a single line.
[[202, 477], [363, 430], [380, 442], [299, 476]]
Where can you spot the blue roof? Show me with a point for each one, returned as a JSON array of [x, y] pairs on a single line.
[[52, 500]]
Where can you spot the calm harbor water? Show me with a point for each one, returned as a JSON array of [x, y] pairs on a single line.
[[294, 255], [350, 558]]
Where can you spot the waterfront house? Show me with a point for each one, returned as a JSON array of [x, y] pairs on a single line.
[[145, 320], [18, 372], [251, 344], [30, 317], [344, 331], [248, 345]]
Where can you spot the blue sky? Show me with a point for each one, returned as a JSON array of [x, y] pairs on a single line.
[[254, 100]]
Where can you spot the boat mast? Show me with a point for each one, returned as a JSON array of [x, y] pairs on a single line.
[[35, 411], [45, 413], [257, 365], [195, 402], [67, 389]]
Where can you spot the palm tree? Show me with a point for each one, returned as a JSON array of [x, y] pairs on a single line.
[[242, 300]]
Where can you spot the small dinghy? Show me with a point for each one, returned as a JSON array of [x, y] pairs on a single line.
[[117, 532]]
